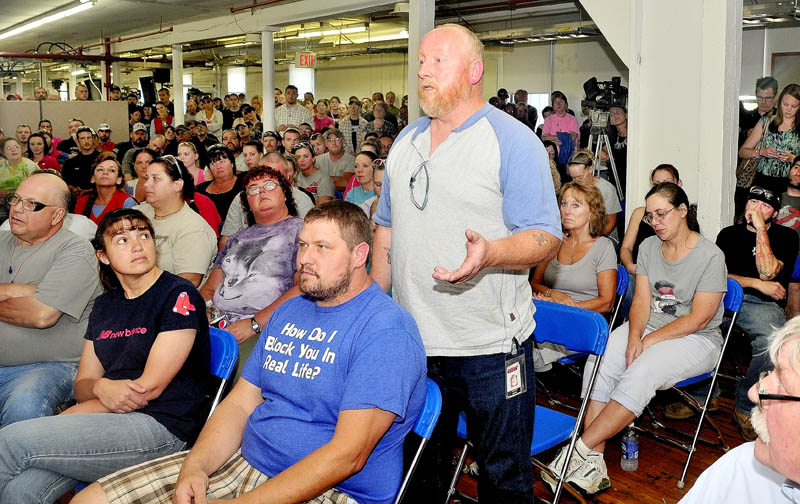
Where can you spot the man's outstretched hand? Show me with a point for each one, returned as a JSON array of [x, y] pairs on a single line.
[[477, 259]]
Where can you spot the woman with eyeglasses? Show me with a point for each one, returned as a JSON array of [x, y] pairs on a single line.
[[107, 194], [142, 382], [673, 332], [39, 152], [14, 167], [363, 168], [780, 145], [226, 184], [256, 270], [185, 241]]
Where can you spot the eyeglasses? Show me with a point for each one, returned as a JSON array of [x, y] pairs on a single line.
[[760, 191], [23, 125], [763, 396], [334, 138], [315, 136], [658, 215], [765, 98], [379, 163], [172, 160], [30, 205], [255, 190], [423, 168], [303, 145]]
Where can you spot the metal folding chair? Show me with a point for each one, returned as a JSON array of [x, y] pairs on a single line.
[[581, 331], [732, 303], [224, 351], [426, 421]]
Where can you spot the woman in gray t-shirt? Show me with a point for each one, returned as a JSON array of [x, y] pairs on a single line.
[[580, 167], [584, 272], [673, 333]]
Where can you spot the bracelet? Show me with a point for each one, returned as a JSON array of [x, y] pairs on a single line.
[[547, 293]]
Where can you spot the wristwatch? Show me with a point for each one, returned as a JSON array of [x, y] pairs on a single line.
[[254, 326]]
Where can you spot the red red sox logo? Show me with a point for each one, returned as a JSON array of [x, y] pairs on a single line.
[[183, 306]]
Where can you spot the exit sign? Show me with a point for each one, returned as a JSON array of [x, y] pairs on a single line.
[[305, 60]]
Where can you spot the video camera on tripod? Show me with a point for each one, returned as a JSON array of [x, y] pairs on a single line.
[[600, 97]]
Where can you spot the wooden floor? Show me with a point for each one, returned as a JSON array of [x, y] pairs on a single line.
[[660, 465]]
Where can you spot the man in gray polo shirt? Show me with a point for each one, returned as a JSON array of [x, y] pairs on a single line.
[[47, 290], [469, 169], [337, 163]]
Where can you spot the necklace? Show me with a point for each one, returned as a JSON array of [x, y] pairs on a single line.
[[11, 259], [159, 217]]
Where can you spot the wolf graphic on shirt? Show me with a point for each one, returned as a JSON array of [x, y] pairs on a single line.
[[665, 300]]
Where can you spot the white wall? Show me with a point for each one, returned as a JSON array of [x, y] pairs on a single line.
[[576, 61], [754, 60]]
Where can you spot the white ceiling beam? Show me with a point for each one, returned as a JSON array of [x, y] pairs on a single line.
[[265, 18]]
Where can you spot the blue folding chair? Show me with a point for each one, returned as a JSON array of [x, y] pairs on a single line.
[[570, 360], [224, 351], [732, 303], [423, 427], [581, 331]]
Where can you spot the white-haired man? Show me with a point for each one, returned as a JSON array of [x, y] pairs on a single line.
[[768, 469]]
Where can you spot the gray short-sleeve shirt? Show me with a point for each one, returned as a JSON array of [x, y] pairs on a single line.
[[64, 270], [674, 284], [579, 280]]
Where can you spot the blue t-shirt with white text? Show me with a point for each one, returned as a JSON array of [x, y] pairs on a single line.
[[311, 362]]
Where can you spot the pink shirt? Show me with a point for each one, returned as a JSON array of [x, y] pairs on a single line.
[[554, 124], [321, 124]]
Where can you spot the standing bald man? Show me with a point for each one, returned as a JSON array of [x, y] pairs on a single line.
[[469, 178]]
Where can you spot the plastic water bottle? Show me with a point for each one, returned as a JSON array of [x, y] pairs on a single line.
[[630, 451]]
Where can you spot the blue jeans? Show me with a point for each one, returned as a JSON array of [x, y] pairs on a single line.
[[757, 318], [500, 429], [43, 458], [34, 390]]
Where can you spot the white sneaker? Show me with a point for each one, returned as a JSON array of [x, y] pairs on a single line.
[[556, 465], [592, 475], [589, 474]]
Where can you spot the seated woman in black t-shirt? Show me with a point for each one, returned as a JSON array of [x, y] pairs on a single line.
[[142, 382]]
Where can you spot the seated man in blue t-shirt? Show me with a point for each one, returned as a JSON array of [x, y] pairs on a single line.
[[333, 386]]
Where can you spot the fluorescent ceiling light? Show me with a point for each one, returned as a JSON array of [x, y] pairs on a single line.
[[329, 33], [79, 72], [238, 44], [73, 8]]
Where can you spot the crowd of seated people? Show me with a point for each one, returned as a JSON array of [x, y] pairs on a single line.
[[216, 206]]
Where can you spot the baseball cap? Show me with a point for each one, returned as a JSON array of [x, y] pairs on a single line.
[[334, 132], [104, 127], [114, 87], [139, 127]]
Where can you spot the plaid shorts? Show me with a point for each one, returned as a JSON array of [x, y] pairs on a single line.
[[153, 482]]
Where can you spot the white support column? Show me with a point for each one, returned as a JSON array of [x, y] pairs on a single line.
[[20, 89], [178, 98], [268, 79], [103, 84], [73, 81], [116, 73], [421, 14], [218, 80], [700, 67]]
